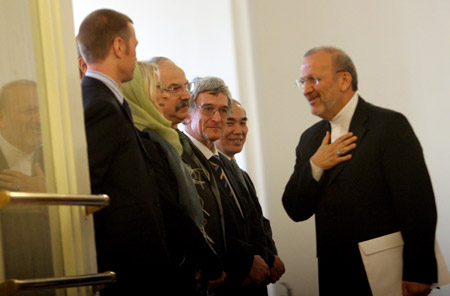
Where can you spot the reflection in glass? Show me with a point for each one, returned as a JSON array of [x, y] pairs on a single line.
[[30, 243], [25, 231]]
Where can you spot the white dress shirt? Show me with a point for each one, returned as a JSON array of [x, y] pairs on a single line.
[[340, 125]]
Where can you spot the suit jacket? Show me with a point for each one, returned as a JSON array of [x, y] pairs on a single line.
[[254, 231], [238, 254], [271, 248], [130, 236], [206, 186], [385, 187], [245, 236]]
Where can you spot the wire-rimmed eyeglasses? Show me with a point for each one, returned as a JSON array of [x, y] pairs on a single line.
[[313, 80]]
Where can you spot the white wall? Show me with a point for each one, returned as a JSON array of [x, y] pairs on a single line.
[[197, 35], [401, 50]]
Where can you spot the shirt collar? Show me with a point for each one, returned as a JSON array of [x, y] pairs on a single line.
[[344, 117], [108, 81], [205, 150]]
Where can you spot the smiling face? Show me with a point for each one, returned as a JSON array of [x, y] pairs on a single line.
[[207, 128], [234, 132], [326, 97], [19, 117]]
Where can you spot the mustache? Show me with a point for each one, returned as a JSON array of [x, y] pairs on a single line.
[[182, 104]]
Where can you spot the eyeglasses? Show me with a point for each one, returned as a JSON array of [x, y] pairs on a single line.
[[209, 110], [160, 86], [313, 80], [178, 88]]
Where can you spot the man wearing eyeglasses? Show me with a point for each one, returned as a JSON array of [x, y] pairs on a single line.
[[362, 173], [209, 106], [174, 90]]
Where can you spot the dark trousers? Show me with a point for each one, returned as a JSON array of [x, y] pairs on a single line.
[[343, 275]]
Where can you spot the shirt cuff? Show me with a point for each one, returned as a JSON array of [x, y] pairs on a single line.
[[316, 171]]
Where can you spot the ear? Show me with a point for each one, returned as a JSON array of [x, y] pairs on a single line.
[[346, 83], [82, 65], [119, 47]]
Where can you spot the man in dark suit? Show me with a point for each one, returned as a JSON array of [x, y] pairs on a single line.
[[130, 237], [362, 173], [209, 106], [232, 142]]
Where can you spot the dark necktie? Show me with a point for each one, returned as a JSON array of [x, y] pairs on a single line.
[[217, 166], [127, 108]]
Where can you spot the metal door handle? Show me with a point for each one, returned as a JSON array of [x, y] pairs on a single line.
[[12, 287], [28, 198]]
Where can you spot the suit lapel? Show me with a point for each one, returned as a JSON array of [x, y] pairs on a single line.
[[93, 82], [357, 127]]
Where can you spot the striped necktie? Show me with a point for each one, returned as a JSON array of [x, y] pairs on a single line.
[[217, 166]]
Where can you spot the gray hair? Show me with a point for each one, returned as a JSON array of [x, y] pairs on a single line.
[[158, 60], [211, 85], [340, 60]]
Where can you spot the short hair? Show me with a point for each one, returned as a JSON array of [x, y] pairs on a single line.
[[98, 31], [211, 85], [6, 90], [340, 60], [158, 60]]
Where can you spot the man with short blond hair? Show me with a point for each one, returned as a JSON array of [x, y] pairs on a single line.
[[130, 234]]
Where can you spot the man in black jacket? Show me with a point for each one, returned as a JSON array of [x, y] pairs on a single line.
[[244, 262], [130, 236], [231, 143], [362, 173]]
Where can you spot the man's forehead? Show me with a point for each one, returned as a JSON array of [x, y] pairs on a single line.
[[207, 98], [237, 113], [21, 94], [316, 62], [171, 73]]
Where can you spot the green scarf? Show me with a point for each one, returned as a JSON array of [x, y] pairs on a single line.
[[145, 114]]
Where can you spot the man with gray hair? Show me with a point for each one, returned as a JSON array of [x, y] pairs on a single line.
[[244, 262], [361, 171]]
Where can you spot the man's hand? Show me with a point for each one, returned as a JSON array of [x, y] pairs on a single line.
[[277, 270], [15, 181], [258, 272], [415, 289], [329, 155]]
